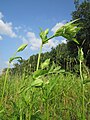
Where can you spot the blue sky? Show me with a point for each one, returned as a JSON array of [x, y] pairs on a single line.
[[20, 21]]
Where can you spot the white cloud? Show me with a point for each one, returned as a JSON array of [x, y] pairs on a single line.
[[57, 26], [34, 42], [51, 43], [63, 41], [1, 38], [6, 28]]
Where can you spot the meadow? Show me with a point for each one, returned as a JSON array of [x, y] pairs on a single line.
[[50, 92]]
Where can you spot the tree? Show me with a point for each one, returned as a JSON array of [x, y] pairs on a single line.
[[82, 12]]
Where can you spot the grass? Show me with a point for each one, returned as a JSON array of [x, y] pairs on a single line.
[[60, 98]]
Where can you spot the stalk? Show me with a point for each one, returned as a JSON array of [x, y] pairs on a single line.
[[6, 76], [51, 37], [38, 62], [82, 85], [21, 114]]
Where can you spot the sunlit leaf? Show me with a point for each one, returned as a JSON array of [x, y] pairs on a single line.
[[1, 111], [80, 54], [45, 64], [39, 73], [86, 81], [22, 47], [37, 83], [43, 35]]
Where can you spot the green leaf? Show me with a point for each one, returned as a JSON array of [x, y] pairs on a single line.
[[13, 58], [1, 111], [69, 31], [55, 70], [80, 54], [22, 47], [39, 73], [86, 81], [37, 83], [45, 64], [43, 35]]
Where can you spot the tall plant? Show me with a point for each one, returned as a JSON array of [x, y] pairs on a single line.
[[68, 31]]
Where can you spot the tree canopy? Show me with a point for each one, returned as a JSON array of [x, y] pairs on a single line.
[[83, 12]]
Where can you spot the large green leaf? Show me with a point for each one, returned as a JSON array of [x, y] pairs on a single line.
[[45, 64], [37, 83], [39, 73]]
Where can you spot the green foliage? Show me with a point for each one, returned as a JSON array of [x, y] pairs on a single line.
[[80, 55], [39, 73], [56, 96], [45, 64], [83, 36], [69, 31], [43, 36], [37, 82]]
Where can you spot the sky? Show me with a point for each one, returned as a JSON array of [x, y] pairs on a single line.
[[21, 20]]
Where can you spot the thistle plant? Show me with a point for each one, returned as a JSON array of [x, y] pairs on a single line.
[[68, 31]]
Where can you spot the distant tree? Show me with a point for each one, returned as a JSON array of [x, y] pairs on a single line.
[[82, 12]]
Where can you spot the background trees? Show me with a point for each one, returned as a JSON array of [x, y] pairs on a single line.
[[82, 12]]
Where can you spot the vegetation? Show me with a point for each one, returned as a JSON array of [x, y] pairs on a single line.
[[82, 12], [49, 86]]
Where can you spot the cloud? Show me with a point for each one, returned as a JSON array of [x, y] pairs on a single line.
[[57, 26], [1, 38], [6, 28], [63, 41], [35, 42], [51, 43]]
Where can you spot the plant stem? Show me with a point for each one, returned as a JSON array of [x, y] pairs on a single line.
[[5, 82], [82, 85], [51, 37], [39, 57]]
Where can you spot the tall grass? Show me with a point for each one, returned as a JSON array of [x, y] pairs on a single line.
[[59, 98]]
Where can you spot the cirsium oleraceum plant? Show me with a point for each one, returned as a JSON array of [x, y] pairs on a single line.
[[68, 31]]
